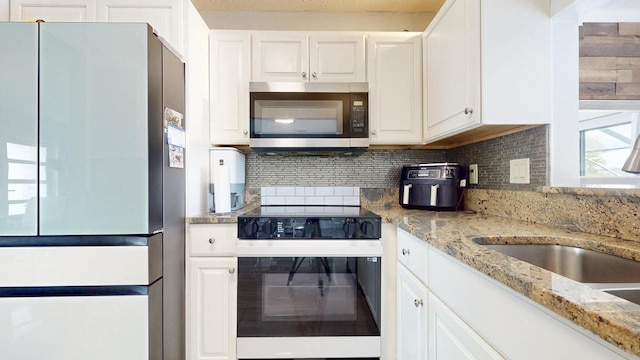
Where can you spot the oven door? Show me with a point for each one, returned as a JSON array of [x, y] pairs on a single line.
[[310, 305]]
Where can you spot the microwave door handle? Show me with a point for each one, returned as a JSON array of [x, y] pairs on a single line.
[[434, 194], [405, 194]]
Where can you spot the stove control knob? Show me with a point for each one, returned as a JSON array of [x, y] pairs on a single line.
[[250, 229], [349, 228], [268, 229], [367, 228]]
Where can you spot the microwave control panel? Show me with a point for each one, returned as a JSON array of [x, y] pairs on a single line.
[[358, 115]]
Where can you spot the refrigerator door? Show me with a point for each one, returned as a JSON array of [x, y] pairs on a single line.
[[19, 129], [95, 129]]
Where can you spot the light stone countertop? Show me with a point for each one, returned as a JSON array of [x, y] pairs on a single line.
[[615, 320]]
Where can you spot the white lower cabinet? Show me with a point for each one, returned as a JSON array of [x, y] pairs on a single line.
[[412, 316], [451, 338], [468, 315], [211, 292]]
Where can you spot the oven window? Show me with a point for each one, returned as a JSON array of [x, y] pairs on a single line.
[[298, 117], [308, 296]]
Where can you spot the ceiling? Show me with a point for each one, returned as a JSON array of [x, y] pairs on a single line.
[[402, 6]]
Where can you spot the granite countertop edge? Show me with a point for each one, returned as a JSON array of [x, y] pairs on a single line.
[[615, 320]]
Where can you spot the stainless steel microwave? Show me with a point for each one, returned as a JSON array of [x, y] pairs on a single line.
[[288, 116]]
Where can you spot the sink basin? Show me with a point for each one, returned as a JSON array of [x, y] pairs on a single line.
[[632, 295], [585, 266]]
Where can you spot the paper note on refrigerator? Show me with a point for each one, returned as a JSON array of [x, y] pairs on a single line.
[[176, 157], [173, 117]]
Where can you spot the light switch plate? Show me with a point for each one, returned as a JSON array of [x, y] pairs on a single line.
[[519, 171], [473, 174]]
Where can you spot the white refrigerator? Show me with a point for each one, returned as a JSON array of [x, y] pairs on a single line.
[[91, 193]]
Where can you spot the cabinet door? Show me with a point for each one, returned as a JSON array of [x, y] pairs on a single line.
[[229, 87], [52, 10], [452, 338], [165, 16], [211, 312], [280, 56], [412, 316], [395, 89], [19, 134], [452, 69], [337, 58]]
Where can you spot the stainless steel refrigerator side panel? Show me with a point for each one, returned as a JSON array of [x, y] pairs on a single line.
[[173, 80]]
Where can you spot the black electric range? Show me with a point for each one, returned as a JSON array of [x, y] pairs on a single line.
[[309, 222]]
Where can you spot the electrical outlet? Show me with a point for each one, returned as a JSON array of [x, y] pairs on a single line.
[[473, 174], [519, 171]]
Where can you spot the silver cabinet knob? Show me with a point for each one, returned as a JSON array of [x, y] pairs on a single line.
[[232, 270], [406, 252], [373, 132], [245, 132], [304, 75], [212, 241], [468, 111], [417, 302], [313, 74]]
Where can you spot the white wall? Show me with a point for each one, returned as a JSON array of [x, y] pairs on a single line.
[[197, 113], [313, 21]]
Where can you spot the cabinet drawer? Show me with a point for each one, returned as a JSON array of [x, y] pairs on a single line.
[[212, 240], [412, 253]]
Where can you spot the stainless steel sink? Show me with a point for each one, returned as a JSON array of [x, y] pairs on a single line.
[[632, 295], [586, 266]]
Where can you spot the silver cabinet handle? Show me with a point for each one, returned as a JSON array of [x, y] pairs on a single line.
[[406, 252], [304, 75], [212, 241], [417, 302], [373, 132], [245, 132], [313, 74], [468, 111], [232, 270]]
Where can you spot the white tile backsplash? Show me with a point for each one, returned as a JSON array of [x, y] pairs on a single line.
[[333, 200], [351, 200], [285, 191], [311, 200], [343, 191], [290, 195], [324, 191], [294, 200]]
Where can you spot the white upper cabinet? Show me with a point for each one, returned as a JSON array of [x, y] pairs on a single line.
[[165, 16], [304, 57], [229, 86], [53, 11], [395, 88], [487, 63], [338, 58]]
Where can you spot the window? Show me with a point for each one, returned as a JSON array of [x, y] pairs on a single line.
[[607, 136]]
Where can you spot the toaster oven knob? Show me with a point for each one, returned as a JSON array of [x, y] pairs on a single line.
[[367, 228], [268, 228], [349, 228], [251, 229]]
